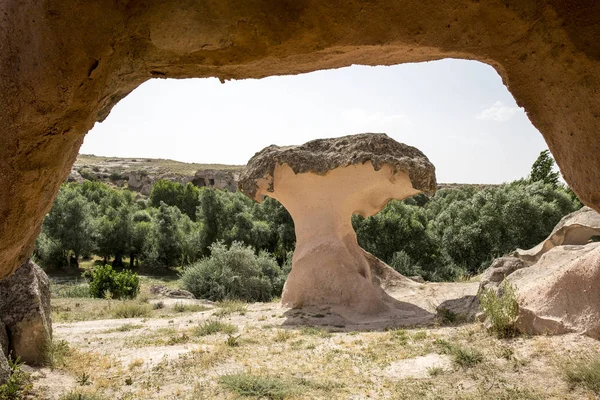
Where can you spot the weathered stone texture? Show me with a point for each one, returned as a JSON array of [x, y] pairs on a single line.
[[25, 312], [65, 64]]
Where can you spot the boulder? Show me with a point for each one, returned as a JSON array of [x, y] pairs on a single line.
[[559, 294], [164, 291], [25, 312], [576, 228], [500, 269]]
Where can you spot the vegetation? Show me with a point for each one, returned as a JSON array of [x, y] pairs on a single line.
[[216, 235], [501, 309], [267, 387], [234, 273], [18, 384], [212, 326], [583, 371], [104, 281]]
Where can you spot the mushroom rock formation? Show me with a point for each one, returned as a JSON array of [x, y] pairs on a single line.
[[322, 183], [576, 228]]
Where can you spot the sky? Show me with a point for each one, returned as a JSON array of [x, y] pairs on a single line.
[[457, 112]]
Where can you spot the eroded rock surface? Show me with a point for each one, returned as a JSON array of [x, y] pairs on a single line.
[[559, 294], [576, 228], [25, 312], [499, 270], [322, 184], [64, 65]]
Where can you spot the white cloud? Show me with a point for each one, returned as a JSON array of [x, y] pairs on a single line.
[[373, 119], [498, 112]]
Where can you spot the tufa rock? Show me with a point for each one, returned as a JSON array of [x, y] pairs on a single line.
[[25, 312], [559, 294], [576, 228], [322, 184], [500, 269]]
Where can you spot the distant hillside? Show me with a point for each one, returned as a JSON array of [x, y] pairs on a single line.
[[139, 174]]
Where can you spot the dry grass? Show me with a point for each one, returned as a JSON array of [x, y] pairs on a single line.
[[186, 356]]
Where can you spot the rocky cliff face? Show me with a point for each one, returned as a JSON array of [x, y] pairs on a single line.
[[140, 174]]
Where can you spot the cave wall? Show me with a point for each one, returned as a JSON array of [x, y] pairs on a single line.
[[65, 64]]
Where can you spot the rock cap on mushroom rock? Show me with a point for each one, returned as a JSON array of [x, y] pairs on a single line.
[[323, 155]]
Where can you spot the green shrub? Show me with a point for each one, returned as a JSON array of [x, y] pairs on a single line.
[[104, 279], [501, 309], [583, 371], [234, 273], [18, 384], [266, 387], [77, 395]]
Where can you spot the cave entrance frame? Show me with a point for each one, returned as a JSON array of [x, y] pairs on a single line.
[[64, 65]]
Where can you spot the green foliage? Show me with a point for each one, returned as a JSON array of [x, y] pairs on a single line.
[[77, 395], [18, 384], [184, 197], [264, 387], [465, 357], [501, 309], [121, 285], [234, 273], [75, 291], [582, 371], [542, 170]]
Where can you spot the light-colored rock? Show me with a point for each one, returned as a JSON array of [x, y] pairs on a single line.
[[322, 184], [26, 313], [574, 229], [164, 291], [500, 269], [560, 293]]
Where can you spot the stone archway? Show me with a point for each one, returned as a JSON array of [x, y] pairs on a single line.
[[65, 64]]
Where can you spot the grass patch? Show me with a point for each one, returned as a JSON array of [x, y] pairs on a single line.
[[283, 335], [124, 328], [228, 307], [131, 309], [260, 386], [315, 331], [77, 395], [212, 326], [501, 309], [464, 357], [181, 307], [583, 371], [74, 291]]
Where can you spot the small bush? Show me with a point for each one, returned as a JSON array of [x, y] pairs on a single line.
[[131, 309], [228, 307], [212, 326], [583, 371], [234, 273], [501, 309], [122, 285], [18, 384], [267, 387], [56, 353]]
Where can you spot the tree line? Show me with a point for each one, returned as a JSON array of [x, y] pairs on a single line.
[[457, 232]]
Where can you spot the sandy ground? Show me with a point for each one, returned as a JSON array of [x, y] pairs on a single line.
[[321, 352]]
